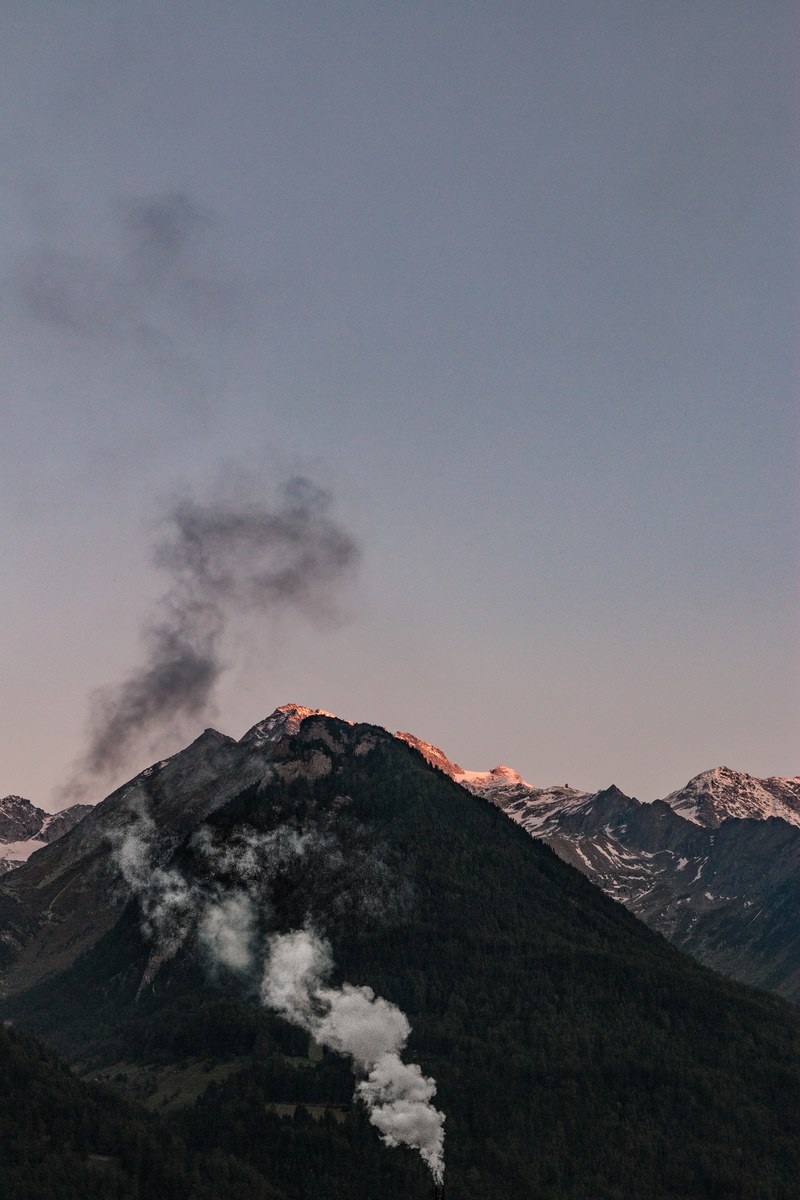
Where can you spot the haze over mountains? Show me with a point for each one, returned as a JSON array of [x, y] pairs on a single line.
[[573, 1052]]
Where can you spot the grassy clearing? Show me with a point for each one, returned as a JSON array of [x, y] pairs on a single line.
[[166, 1088]]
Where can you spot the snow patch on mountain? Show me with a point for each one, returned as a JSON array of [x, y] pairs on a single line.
[[12, 854], [529, 806], [501, 776]]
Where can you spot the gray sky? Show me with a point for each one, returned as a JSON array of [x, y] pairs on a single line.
[[514, 282]]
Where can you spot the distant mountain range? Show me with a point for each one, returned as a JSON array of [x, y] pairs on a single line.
[[715, 866], [575, 1053]]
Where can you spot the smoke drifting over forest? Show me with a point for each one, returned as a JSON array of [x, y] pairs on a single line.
[[293, 969], [370, 1030], [222, 560]]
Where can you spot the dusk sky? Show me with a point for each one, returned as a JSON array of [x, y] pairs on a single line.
[[515, 283]]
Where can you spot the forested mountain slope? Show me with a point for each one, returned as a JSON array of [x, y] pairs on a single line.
[[576, 1053]]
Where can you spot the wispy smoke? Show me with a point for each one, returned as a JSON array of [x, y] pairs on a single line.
[[222, 559], [169, 903], [120, 293], [158, 229], [372, 1031], [227, 929], [225, 911], [325, 875], [331, 871]]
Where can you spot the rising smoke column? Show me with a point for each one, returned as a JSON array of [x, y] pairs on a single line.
[[372, 1031], [222, 559], [294, 982]]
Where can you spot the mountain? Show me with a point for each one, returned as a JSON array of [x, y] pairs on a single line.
[[714, 867], [25, 829], [575, 1052], [78, 874], [715, 796]]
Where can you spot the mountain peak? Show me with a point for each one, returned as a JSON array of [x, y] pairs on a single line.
[[25, 828], [19, 818], [715, 795], [12, 804], [286, 719]]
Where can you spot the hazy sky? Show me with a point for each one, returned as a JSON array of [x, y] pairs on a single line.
[[514, 282]]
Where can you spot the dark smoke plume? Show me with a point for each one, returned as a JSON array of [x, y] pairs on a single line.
[[222, 560]]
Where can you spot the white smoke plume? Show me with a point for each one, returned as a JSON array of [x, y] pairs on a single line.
[[372, 1031], [224, 920], [227, 930], [295, 983]]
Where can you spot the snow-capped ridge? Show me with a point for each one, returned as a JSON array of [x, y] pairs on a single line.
[[19, 819], [432, 754], [500, 776], [714, 796]]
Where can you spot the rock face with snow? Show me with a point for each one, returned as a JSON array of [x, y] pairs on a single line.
[[25, 829], [498, 777], [285, 721], [714, 796], [19, 819]]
